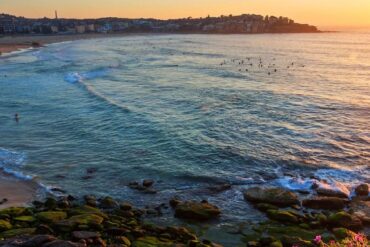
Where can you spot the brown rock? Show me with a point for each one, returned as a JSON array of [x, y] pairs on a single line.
[[362, 190], [61, 243], [85, 234], [321, 202], [196, 211], [335, 190], [275, 196]]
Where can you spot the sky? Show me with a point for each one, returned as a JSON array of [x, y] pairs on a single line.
[[322, 13]]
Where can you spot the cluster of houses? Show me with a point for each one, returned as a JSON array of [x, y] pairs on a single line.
[[224, 24]]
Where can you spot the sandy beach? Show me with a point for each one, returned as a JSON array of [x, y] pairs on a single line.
[[18, 42], [16, 192]]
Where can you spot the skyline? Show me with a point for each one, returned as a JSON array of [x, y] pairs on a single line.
[[339, 13]]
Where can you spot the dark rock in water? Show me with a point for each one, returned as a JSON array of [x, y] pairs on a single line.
[[335, 190], [275, 196], [282, 215], [219, 188], [61, 243], [174, 202], [145, 189], [58, 190], [87, 177], [50, 203], [148, 182], [125, 206], [44, 229], [265, 206], [196, 211], [91, 170], [108, 203], [346, 220], [85, 235], [325, 202], [362, 190], [90, 200]]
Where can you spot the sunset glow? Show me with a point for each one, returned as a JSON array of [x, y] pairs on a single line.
[[320, 13]]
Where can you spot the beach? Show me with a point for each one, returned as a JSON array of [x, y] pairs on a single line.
[[18, 42]]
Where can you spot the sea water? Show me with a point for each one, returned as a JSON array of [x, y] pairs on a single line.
[[190, 112]]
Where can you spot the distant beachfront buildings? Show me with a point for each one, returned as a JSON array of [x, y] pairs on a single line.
[[224, 24]]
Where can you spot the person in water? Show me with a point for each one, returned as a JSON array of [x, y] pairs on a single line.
[[16, 117]]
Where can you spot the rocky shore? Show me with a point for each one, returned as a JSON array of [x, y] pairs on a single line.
[[293, 220]]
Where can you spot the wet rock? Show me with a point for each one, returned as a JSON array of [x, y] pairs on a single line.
[[362, 190], [5, 225], [148, 183], [342, 233], [51, 216], [125, 206], [44, 229], [196, 211], [50, 203], [13, 211], [325, 202], [85, 235], [219, 188], [361, 209], [174, 202], [150, 241], [335, 190], [17, 232], [108, 203], [265, 206], [38, 240], [61, 243], [296, 241], [275, 196], [26, 218], [282, 216], [346, 220]]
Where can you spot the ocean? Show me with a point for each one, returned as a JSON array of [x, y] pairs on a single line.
[[191, 112]]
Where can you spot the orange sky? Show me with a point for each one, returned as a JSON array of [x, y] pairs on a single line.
[[324, 13]]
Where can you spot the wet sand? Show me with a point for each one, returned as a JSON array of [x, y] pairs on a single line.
[[18, 42], [17, 192]]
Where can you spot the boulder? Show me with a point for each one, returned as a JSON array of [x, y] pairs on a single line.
[[85, 235], [17, 232], [321, 202], [108, 203], [346, 220], [38, 240], [61, 243], [149, 241], [275, 196], [51, 216], [5, 225], [13, 211], [196, 211], [335, 190], [148, 182], [27, 218], [282, 216], [361, 209], [362, 190]]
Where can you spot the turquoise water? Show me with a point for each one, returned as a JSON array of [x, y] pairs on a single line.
[[163, 107]]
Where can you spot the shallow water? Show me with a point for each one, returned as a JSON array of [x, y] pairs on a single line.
[[163, 107]]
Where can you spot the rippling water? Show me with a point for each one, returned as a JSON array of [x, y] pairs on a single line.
[[164, 107]]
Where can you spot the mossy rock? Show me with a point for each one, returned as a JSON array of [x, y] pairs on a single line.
[[276, 244], [28, 219], [13, 211], [86, 219], [265, 206], [196, 211], [282, 216], [85, 209], [346, 220], [272, 195], [279, 231], [149, 241], [17, 232], [5, 225], [51, 216]]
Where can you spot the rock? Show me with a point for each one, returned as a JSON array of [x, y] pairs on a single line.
[[275, 196], [13, 211], [296, 241], [50, 203], [61, 243], [44, 229], [276, 244], [5, 225], [17, 232], [335, 190], [361, 209], [265, 206], [124, 240], [85, 235], [108, 203], [196, 211], [51, 216], [174, 202], [219, 188], [85, 209], [150, 241], [38, 240], [325, 202], [346, 220], [125, 206], [148, 183], [362, 190], [86, 219], [282, 216], [28, 219]]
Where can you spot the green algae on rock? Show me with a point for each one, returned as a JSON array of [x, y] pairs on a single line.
[[271, 195]]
